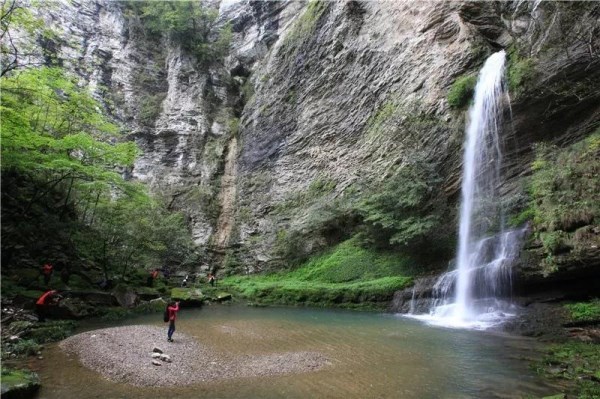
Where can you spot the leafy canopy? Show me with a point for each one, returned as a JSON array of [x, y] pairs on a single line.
[[53, 127]]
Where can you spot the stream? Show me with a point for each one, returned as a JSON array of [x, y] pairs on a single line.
[[372, 356]]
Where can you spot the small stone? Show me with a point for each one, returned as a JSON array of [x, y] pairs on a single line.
[[156, 363], [156, 355], [165, 358], [40, 357], [13, 338], [556, 370], [157, 350]]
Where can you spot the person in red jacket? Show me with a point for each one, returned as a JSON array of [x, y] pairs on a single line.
[[48, 298], [47, 270], [172, 309]]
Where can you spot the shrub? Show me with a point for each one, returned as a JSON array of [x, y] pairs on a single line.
[[24, 347], [150, 108], [583, 311], [51, 331]]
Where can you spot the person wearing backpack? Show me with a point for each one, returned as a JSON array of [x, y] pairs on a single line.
[[171, 315]]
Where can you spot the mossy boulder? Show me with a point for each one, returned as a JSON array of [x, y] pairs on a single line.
[[19, 384], [188, 296], [147, 293], [223, 296]]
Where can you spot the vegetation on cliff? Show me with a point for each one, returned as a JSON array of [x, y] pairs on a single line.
[[563, 206], [346, 276], [186, 23]]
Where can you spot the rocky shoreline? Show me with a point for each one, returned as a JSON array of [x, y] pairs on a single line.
[[124, 354]]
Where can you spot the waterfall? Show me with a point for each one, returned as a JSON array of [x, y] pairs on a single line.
[[474, 294]]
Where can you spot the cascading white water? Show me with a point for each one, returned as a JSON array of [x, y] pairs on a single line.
[[470, 295], [481, 175]]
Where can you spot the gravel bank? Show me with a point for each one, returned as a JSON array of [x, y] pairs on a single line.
[[124, 354]]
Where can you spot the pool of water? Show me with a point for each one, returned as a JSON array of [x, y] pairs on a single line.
[[372, 356]]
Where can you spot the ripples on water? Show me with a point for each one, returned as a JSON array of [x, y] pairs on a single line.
[[373, 356]]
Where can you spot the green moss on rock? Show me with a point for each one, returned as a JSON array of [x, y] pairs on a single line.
[[187, 295], [19, 384], [461, 91]]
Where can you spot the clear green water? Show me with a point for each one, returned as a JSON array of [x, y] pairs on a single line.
[[373, 356]]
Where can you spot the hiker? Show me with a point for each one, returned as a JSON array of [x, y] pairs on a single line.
[[153, 275], [65, 275], [47, 270], [42, 305], [172, 309], [211, 279], [185, 281]]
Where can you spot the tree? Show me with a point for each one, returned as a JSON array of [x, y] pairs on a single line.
[[407, 211], [18, 28]]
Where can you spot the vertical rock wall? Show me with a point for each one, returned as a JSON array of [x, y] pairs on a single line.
[[329, 97]]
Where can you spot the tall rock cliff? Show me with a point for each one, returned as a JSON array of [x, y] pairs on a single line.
[[316, 102]]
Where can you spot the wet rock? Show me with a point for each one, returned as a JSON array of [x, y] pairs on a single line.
[[188, 296], [126, 296], [19, 384], [223, 296]]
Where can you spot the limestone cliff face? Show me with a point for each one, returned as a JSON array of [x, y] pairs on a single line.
[[317, 99]]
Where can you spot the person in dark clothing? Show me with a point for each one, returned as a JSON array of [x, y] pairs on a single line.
[[47, 271], [211, 279], [65, 275], [43, 304], [172, 309]]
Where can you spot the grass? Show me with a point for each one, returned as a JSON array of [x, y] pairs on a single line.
[[12, 378], [347, 276], [585, 311]]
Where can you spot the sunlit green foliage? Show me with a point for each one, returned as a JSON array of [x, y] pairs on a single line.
[[350, 262], [52, 127], [16, 22], [63, 161], [583, 311], [346, 276]]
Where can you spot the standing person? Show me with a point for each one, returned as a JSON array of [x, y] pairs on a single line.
[[211, 279], [153, 275], [47, 270], [65, 275], [42, 305], [172, 309]]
